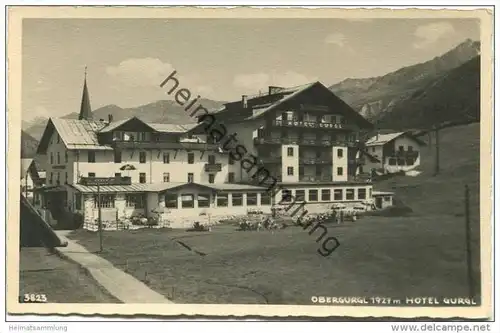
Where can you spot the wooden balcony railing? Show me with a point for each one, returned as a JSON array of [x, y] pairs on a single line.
[[164, 145], [315, 178], [302, 142], [315, 160], [215, 167]]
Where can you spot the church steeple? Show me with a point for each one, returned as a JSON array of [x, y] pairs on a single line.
[[85, 109]]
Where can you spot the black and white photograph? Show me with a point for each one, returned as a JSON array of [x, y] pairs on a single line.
[[259, 164]]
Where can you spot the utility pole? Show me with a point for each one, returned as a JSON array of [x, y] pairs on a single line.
[[470, 278], [99, 220], [436, 165]]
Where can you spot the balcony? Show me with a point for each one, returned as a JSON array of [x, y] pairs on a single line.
[[164, 145], [405, 154], [315, 160], [311, 124], [213, 167], [302, 142], [315, 178]]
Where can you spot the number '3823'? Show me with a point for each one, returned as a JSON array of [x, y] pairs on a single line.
[[34, 298]]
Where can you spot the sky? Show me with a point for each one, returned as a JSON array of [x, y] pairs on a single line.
[[219, 59]]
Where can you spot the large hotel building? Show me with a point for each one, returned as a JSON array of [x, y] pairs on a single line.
[[305, 137]]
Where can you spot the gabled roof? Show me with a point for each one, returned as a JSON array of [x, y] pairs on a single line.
[[75, 134], [158, 127], [172, 128], [270, 102], [382, 139]]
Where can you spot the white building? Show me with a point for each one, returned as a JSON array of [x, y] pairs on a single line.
[[297, 141], [394, 151]]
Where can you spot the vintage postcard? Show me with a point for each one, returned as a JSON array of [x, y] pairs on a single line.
[[183, 161]]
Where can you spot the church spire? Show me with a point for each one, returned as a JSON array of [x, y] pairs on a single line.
[[85, 109]]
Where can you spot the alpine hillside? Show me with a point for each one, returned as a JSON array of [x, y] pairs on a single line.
[[377, 96]]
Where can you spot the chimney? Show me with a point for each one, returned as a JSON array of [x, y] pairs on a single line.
[[110, 118], [244, 101]]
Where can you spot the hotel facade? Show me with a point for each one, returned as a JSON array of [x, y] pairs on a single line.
[[303, 142]]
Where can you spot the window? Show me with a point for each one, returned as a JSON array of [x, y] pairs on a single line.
[[387, 199], [211, 178], [340, 171], [313, 195], [237, 199], [166, 158], [286, 196], [91, 174], [107, 201], [143, 136], [58, 179], [91, 156], [134, 200], [117, 136], [78, 201], [392, 161], [190, 177], [401, 148], [58, 158], [65, 156], [401, 161], [203, 200], [187, 200], [349, 194], [325, 195], [361, 193], [142, 157], [251, 199], [410, 148], [410, 161], [211, 159], [142, 177], [290, 151], [190, 158], [370, 193], [65, 178], [289, 171], [117, 156], [231, 160], [51, 178], [171, 200], [166, 177], [58, 138], [51, 158], [222, 199], [300, 195], [340, 153], [230, 177], [265, 198], [338, 195]]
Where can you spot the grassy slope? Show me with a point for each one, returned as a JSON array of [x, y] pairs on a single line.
[[419, 255]]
